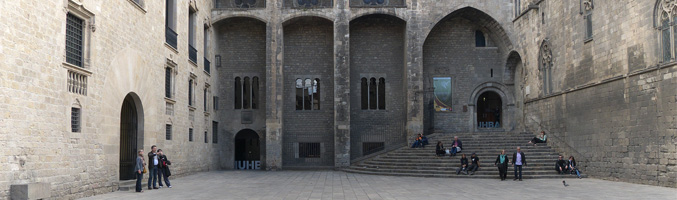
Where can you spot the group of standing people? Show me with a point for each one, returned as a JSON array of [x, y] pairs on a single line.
[[158, 168], [502, 160]]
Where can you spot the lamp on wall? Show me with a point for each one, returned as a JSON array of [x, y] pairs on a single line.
[[218, 60]]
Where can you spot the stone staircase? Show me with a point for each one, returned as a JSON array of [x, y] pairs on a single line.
[[422, 162]]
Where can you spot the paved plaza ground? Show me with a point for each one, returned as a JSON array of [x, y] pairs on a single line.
[[342, 185]]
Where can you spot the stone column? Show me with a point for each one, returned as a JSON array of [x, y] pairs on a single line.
[[341, 85], [414, 75], [275, 84]]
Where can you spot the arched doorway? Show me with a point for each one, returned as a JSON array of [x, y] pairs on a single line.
[[489, 110], [131, 135], [247, 150]]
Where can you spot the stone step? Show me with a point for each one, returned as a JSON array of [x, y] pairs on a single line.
[[480, 156], [447, 167], [448, 163], [529, 160], [487, 176], [130, 185], [481, 171], [469, 152]]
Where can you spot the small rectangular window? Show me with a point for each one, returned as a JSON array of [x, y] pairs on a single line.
[[168, 82], [309, 150], [190, 92], [190, 134], [215, 131], [74, 39], [206, 139], [168, 132], [216, 102], [75, 120], [204, 103]]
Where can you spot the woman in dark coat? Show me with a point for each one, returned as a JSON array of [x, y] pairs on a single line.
[[502, 163], [439, 150]]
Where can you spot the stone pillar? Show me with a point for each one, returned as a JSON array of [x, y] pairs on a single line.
[[275, 84], [414, 75], [341, 85]]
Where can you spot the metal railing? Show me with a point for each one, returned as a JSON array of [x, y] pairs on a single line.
[[192, 53], [207, 66], [170, 37]]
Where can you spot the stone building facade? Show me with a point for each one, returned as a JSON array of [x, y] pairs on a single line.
[[282, 84]]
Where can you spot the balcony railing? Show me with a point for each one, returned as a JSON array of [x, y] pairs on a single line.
[[207, 66], [192, 53], [170, 37]]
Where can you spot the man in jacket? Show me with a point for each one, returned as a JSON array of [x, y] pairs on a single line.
[[163, 169], [518, 160], [561, 165], [152, 168]]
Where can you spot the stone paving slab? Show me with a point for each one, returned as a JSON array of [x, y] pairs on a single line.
[[343, 185]]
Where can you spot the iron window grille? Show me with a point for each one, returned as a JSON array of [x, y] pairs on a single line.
[[168, 132], [309, 150], [74, 39], [75, 120]]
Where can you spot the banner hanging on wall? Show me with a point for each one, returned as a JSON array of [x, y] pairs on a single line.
[[442, 94]]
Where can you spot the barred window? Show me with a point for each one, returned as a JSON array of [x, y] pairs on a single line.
[[190, 134], [518, 8], [204, 103], [74, 39], [309, 150], [216, 102], [586, 10], [168, 132], [75, 120], [373, 93], [168, 82]]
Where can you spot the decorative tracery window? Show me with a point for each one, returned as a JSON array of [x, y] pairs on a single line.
[[545, 66], [665, 21], [246, 93], [373, 93], [307, 94]]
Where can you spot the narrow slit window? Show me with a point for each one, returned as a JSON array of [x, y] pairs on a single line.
[[299, 94], [316, 94], [204, 97], [255, 92], [190, 92], [168, 132], [168, 82], [382, 94], [372, 93], [306, 94], [364, 93], [246, 100], [75, 120], [238, 93], [190, 134]]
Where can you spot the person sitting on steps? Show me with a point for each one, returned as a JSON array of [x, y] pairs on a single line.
[[542, 138], [561, 165], [439, 149], [474, 164], [456, 146], [572, 167], [418, 142], [424, 140], [464, 165]]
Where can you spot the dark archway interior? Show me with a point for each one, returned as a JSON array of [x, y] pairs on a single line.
[[247, 146], [489, 110], [128, 138]]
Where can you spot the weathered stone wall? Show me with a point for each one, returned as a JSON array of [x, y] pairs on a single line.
[[308, 54], [613, 102], [127, 55], [241, 43], [377, 51]]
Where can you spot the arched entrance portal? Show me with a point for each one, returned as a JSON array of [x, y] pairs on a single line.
[[247, 150], [131, 135], [489, 110]]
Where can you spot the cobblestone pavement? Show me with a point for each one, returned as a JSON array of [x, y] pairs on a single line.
[[342, 185]]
